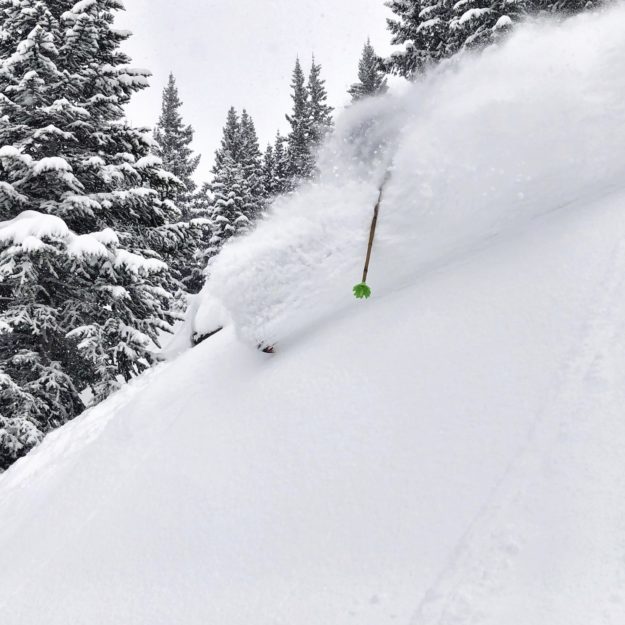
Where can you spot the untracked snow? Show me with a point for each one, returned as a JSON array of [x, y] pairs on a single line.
[[450, 452]]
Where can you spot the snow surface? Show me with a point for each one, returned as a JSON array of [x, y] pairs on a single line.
[[86, 245], [51, 163], [471, 14], [450, 452], [149, 161], [83, 5], [32, 224], [137, 264]]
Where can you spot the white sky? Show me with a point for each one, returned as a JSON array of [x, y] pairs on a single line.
[[241, 53]]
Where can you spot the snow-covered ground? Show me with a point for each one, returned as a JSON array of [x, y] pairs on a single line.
[[450, 452]]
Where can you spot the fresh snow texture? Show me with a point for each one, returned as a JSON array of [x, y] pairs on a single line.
[[476, 149], [32, 224], [137, 264], [51, 163], [449, 452], [83, 5], [86, 245]]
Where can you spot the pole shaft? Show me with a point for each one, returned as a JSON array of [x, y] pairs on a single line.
[[374, 223]]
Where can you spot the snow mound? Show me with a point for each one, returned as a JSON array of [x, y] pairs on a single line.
[[477, 148]]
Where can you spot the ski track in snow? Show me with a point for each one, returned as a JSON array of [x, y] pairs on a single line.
[[483, 558]]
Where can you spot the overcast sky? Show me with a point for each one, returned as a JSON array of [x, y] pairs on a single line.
[[241, 53]]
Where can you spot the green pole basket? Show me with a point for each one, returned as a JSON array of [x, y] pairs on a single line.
[[362, 291]]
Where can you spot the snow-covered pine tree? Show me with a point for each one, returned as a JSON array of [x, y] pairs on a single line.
[[300, 160], [238, 195], [226, 202], [420, 27], [229, 203], [230, 141], [480, 22], [38, 278], [310, 121], [269, 172], [281, 170], [432, 30], [320, 113], [201, 202], [276, 168], [201, 212], [173, 145], [83, 292], [371, 78], [173, 140], [252, 166], [567, 7]]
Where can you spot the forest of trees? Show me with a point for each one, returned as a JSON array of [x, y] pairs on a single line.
[[428, 31], [105, 229]]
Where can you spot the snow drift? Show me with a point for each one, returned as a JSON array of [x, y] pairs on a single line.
[[476, 148], [450, 452]]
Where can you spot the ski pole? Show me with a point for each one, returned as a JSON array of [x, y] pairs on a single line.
[[362, 290]]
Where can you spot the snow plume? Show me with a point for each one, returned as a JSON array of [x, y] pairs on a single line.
[[491, 141]]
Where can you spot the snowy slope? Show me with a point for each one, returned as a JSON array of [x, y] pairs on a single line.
[[450, 452], [379, 460]]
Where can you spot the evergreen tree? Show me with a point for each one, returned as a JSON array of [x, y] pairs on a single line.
[[432, 30], [173, 145], [84, 293], [281, 170], [276, 168], [310, 121], [229, 203], [420, 26], [237, 188], [269, 172], [371, 78], [230, 141], [251, 163], [320, 113], [201, 202], [299, 153], [201, 213], [480, 22], [567, 7]]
